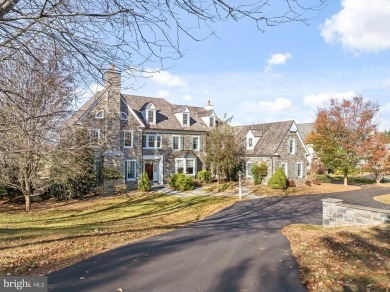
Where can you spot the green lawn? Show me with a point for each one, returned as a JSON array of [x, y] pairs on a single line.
[[58, 234]]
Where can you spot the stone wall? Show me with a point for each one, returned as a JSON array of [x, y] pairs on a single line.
[[335, 213]]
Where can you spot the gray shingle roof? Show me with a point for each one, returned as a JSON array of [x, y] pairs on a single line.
[[304, 130], [272, 136], [166, 119]]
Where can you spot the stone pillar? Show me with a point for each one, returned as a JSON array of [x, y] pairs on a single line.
[[329, 212]]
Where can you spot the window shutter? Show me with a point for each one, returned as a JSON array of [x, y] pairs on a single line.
[[201, 143], [135, 136], [182, 143], [125, 170], [294, 146], [122, 138]]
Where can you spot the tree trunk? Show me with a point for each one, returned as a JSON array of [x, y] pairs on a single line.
[[345, 179], [27, 198]]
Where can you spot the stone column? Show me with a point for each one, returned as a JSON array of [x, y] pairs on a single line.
[[329, 212]]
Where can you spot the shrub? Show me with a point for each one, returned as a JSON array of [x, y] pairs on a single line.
[[291, 183], [324, 178], [120, 188], [278, 180], [181, 182], [204, 176], [172, 181], [308, 183], [144, 183], [111, 173], [259, 172]]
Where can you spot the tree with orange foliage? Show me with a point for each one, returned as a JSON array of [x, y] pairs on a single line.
[[341, 131], [377, 156]]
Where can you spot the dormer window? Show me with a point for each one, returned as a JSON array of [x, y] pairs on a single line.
[[212, 122], [186, 119], [99, 114], [124, 116], [250, 143], [151, 116]]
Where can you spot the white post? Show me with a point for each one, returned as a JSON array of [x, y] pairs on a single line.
[[239, 184]]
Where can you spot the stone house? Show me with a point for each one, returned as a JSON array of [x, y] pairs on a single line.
[[133, 134], [277, 144]]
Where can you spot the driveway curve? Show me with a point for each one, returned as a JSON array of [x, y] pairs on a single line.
[[238, 249]]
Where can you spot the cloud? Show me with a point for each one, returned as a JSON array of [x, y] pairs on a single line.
[[277, 59], [320, 99], [165, 78], [360, 26], [162, 93], [187, 97], [279, 105]]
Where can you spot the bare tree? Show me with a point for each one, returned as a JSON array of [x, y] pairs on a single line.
[[129, 33], [30, 116]]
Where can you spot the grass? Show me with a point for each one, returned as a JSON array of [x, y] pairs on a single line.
[[343, 258], [58, 234], [383, 199]]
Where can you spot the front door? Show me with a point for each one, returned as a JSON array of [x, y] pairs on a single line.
[[149, 170]]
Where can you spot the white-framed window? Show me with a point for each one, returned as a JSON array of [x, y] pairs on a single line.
[[195, 143], [124, 116], [299, 169], [131, 170], [127, 139], [212, 122], [292, 146], [94, 135], [176, 141], [249, 166], [99, 114], [186, 119], [186, 166], [151, 116], [284, 165], [250, 143], [151, 141]]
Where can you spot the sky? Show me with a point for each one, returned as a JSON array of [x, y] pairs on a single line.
[[286, 72]]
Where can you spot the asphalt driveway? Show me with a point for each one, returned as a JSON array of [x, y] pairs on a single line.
[[237, 249]]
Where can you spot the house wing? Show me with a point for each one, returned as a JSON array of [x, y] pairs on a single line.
[[79, 115]]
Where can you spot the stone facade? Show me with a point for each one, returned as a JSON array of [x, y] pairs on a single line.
[[335, 213]]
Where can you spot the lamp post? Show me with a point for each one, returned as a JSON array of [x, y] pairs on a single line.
[[239, 183]]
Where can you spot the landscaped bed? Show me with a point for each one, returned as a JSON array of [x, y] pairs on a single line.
[[343, 258], [57, 234]]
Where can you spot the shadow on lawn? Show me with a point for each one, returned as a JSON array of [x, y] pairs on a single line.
[[371, 259]]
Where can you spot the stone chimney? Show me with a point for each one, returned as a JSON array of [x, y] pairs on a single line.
[[112, 83], [209, 106]]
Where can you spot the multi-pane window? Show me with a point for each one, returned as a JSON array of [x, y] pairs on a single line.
[[250, 143], [99, 114], [195, 143], [212, 122], [292, 145], [131, 170], [127, 139], [151, 116], [151, 141], [124, 116], [186, 119], [185, 166], [94, 135], [176, 142]]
